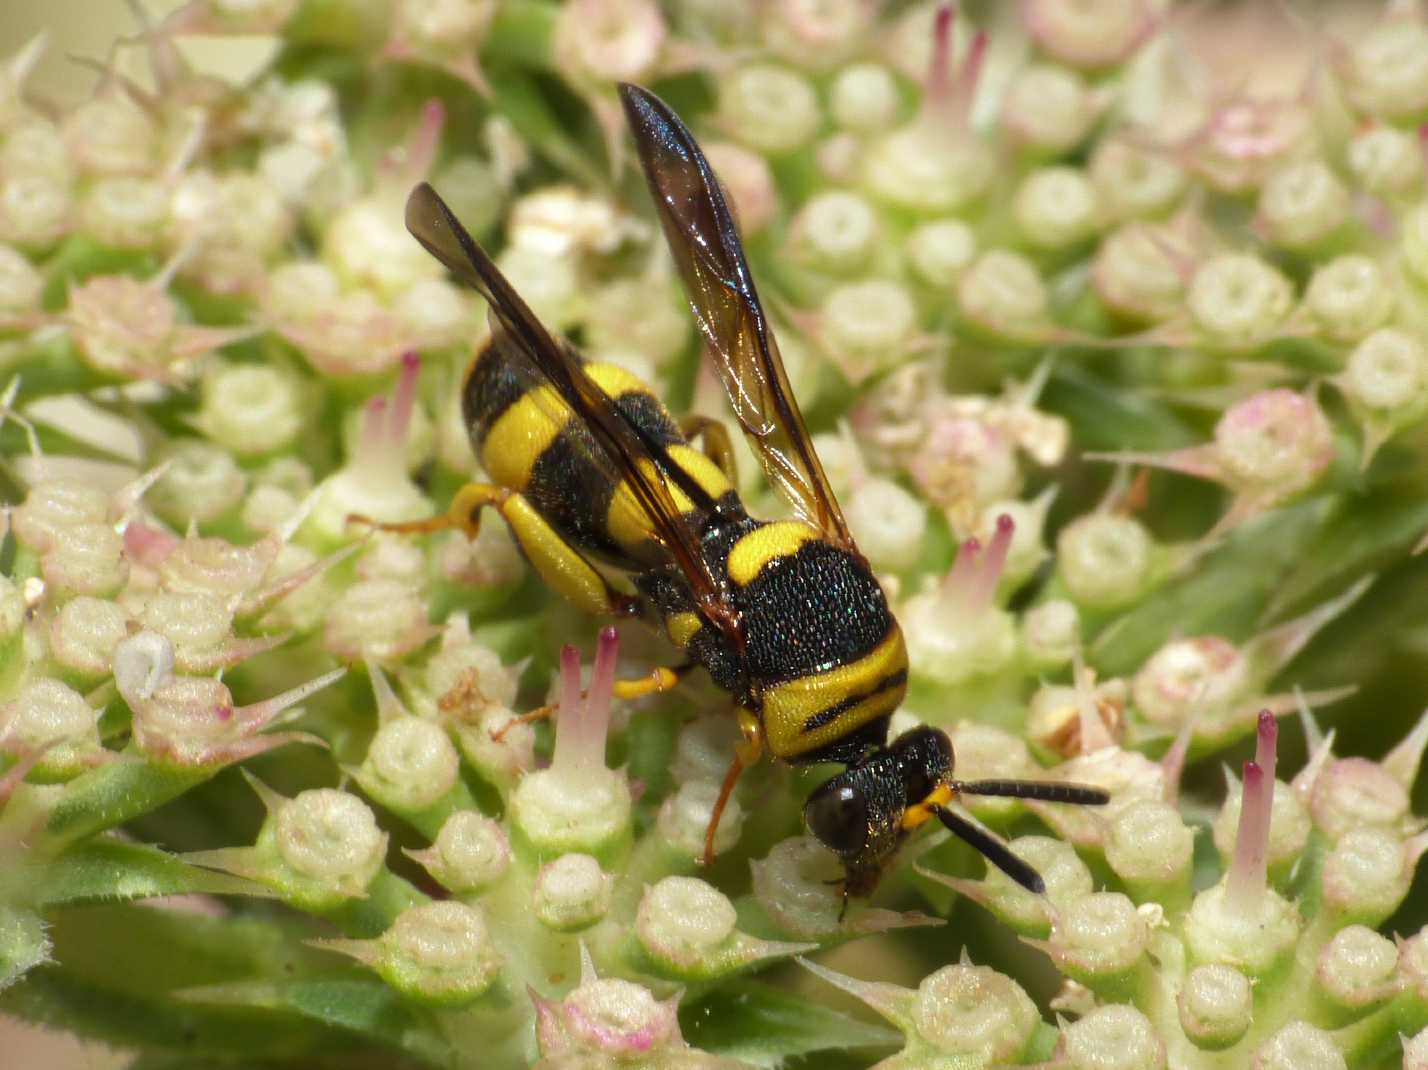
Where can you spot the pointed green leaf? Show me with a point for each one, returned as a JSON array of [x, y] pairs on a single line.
[[112, 794], [109, 869], [764, 1025]]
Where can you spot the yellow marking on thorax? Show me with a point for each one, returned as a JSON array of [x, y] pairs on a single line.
[[626, 521], [682, 627], [865, 688], [921, 812], [756, 549]]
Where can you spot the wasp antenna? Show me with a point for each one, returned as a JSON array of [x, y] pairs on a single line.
[[993, 850], [1040, 790]]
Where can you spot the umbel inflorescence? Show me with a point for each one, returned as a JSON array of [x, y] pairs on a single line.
[[1115, 357]]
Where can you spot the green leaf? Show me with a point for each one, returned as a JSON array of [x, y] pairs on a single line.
[[1106, 417], [112, 794], [764, 1025], [519, 99], [23, 944], [108, 869]]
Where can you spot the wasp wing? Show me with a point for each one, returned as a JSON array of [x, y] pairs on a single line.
[[705, 243], [642, 463]]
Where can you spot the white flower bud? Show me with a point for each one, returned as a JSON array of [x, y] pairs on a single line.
[[86, 559], [610, 1018], [1216, 1006], [635, 314], [974, 1011], [201, 483], [682, 922], [367, 246], [606, 42], [435, 313], [1202, 677], [251, 408], [297, 290], [868, 325], [1275, 442], [928, 170], [1099, 937], [1150, 848], [684, 816], [1049, 108], [816, 34], [888, 523], [330, 841], [52, 506], [1086, 34], [770, 109], [125, 212], [1367, 875], [1356, 968], [1299, 1046], [1389, 69], [410, 765], [836, 231], [864, 98], [549, 283], [1386, 161], [1136, 274], [1050, 633], [440, 952], [470, 854], [34, 211], [571, 893], [1056, 207], [1106, 560], [20, 284], [1134, 182], [940, 251], [1002, 293], [1116, 1036], [1067, 879], [796, 886], [35, 148], [1251, 937], [1238, 301], [110, 134], [47, 714], [557, 815], [1349, 297], [1302, 204], [381, 619], [1387, 371], [702, 749]]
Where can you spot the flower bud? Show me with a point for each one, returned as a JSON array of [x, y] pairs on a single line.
[[201, 483], [940, 251], [470, 855], [631, 313], [438, 953], [684, 816], [772, 110], [500, 762], [1216, 1006], [975, 1012], [687, 927], [610, 1018], [86, 559], [410, 765], [702, 749], [868, 326], [1252, 937], [380, 619], [1202, 677], [367, 246], [1050, 634], [49, 719], [796, 884], [864, 98], [816, 34], [251, 408], [111, 134], [837, 232], [1238, 302], [1150, 848], [1275, 444], [1367, 875], [1049, 108], [54, 505], [1088, 35], [1136, 273], [1067, 879], [84, 633], [34, 211], [1133, 182], [1302, 204], [1387, 371], [1098, 939], [1386, 161], [985, 752], [1056, 208], [604, 42], [1115, 1036], [1349, 297], [1355, 793], [571, 893], [889, 524], [1299, 1046], [1356, 969], [1106, 560], [329, 845], [1002, 294], [1388, 73]]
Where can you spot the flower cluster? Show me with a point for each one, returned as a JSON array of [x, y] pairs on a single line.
[[1118, 363]]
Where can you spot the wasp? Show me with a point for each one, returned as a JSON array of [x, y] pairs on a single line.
[[594, 477]]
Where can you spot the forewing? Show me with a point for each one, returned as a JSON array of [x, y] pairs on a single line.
[[706, 247], [643, 464]]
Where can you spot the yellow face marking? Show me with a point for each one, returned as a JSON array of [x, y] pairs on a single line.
[[789, 706], [521, 434], [921, 813], [762, 545], [682, 627]]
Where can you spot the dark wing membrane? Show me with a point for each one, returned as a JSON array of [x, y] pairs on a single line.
[[706, 246], [644, 464]]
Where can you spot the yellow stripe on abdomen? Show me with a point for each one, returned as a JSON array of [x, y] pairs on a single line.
[[627, 523], [521, 434], [753, 551], [810, 712]]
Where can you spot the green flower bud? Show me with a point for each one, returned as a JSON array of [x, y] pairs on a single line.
[[1216, 1006], [1118, 1037], [770, 109], [864, 98], [251, 408], [868, 326], [940, 251], [1150, 848], [1050, 634], [1001, 293], [1136, 273], [1388, 372], [1349, 297], [84, 633], [1049, 108], [1252, 937], [1056, 207], [1106, 560], [51, 718], [328, 845], [86, 559], [1302, 204], [1134, 182], [1099, 939], [1357, 968], [1299, 1046], [410, 766], [439, 953], [1367, 875], [1238, 302], [1386, 161], [836, 232], [687, 927], [1389, 70], [470, 855], [571, 893], [201, 483], [974, 1011]]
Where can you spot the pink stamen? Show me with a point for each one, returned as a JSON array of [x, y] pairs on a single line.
[[403, 401], [992, 563], [1265, 752], [371, 449], [939, 69], [1246, 881], [570, 722], [413, 162], [963, 573], [971, 73], [602, 676], [1173, 761]]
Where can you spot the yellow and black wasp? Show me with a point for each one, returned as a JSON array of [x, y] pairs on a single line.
[[590, 472]]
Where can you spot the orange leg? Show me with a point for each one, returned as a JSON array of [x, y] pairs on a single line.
[[746, 753], [658, 681]]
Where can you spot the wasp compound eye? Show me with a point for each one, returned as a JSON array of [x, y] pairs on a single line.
[[837, 815], [924, 760]]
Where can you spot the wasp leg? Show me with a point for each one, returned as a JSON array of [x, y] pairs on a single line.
[[714, 438], [563, 568], [746, 753], [658, 681]]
